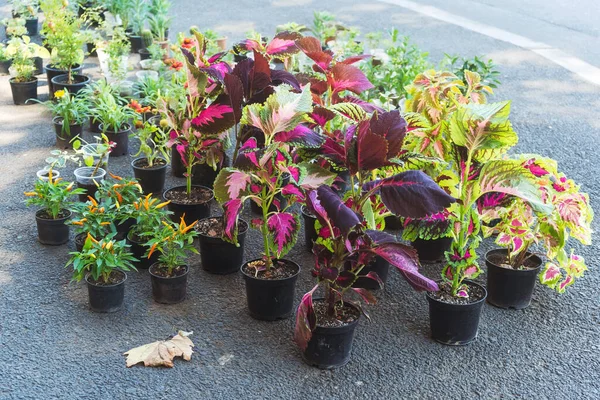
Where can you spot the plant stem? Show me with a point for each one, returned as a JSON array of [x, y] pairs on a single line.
[[330, 300]]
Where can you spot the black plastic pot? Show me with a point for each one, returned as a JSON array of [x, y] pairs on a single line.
[[53, 232], [221, 257], [95, 125], [23, 91], [139, 250], [63, 139], [151, 179], [51, 72], [38, 64], [80, 240], [144, 54], [85, 180], [193, 212], [78, 83], [177, 167], [331, 347], [380, 266], [4, 66], [432, 250], [91, 49], [168, 290], [106, 298], [270, 300], [136, 43], [123, 228], [310, 233], [204, 175], [507, 287], [121, 138], [32, 26], [455, 324]]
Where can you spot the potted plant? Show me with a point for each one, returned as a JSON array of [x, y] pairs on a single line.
[[70, 112], [113, 55], [114, 116], [169, 274], [512, 270], [138, 12], [268, 177], [147, 40], [94, 219], [159, 21], [52, 196], [94, 94], [120, 194], [150, 169], [103, 264], [148, 215], [218, 255], [15, 27], [5, 60], [28, 10], [90, 176], [325, 327], [23, 83]]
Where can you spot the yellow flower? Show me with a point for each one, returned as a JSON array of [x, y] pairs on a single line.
[[59, 94], [164, 123]]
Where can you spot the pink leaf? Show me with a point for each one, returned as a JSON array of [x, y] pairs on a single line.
[[348, 77], [210, 115], [283, 227], [291, 189], [306, 320], [231, 214], [236, 182]]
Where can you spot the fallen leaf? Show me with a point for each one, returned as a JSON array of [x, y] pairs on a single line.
[[161, 353]]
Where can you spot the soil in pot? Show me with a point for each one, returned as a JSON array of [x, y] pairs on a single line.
[[168, 288], [217, 255], [107, 297], [151, 178], [78, 82], [331, 343], [138, 250], [23, 91], [509, 287], [455, 320], [310, 233], [271, 294], [196, 206], [53, 232], [63, 139], [432, 251], [120, 137]]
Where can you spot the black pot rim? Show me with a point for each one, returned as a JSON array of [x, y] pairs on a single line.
[[475, 303], [149, 169], [56, 122], [501, 250], [187, 270], [55, 80], [73, 68], [12, 81], [240, 232], [184, 189], [50, 219], [106, 286], [305, 212], [124, 130], [334, 329], [247, 276]]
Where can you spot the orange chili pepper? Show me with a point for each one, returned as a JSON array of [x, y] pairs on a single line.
[[94, 202], [152, 249], [118, 178]]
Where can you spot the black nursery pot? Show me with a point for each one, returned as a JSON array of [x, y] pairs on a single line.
[[53, 232], [80, 241], [152, 179], [91, 49], [4, 66], [106, 298], [123, 228], [38, 64], [63, 139], [455, 324], [193, 212], [507, 287], [310, 233], [95, 125], [168, 290], [432, 250], [52, 72], [79, 82], [221, 257], [138, 250], [121, 138], [331, 347], [381, 267], [32, 26], [270, 300], [177, 167], [136, 43], [144, 54], [23, 91], [204, 174]]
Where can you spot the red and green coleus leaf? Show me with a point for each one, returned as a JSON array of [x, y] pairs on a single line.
[[231, 184], [366, 295], [231, 214], [215, 118], [283, 232], [281, 112], [306, 320], [312, 176], [301, 136], [235, 91], [410, 194], [311, 46], [283, 44], [348, 77]]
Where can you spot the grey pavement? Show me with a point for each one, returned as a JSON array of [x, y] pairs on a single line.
[[52, 346]]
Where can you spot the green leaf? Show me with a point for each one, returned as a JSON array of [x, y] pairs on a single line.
[[369, 215]]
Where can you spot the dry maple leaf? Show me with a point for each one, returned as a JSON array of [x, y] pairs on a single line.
[[161, 353]]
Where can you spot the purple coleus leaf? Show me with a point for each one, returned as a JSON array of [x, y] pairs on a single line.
[[314, 206], [280, 76], [371, 149], [391, 126], [410, 194], [338, 213], [235, 91], [306, 320], [283, 230], [283, 44], [230, 217], [300, 136]]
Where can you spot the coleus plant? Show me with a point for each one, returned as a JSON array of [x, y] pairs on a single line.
[[281, 47], [267, 175], [520, 226], [352, 247]]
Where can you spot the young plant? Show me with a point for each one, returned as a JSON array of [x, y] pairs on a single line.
[[15, 27], [103, 148], [22, 51], [153, 143], [120, 195], [52, 195], [71, 109], [173, 241], [348, 248], [487, 70], [149, 214], [138, 16], [27, 9], [99, 258], [520, 226], [112, 111], [94, 219]]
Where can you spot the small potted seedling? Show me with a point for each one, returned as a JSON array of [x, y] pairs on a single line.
[[103, 264], [90, 176], [94, 219], [23, 83], [148, 215], [114, 116], [169, 274], [150, 169]]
